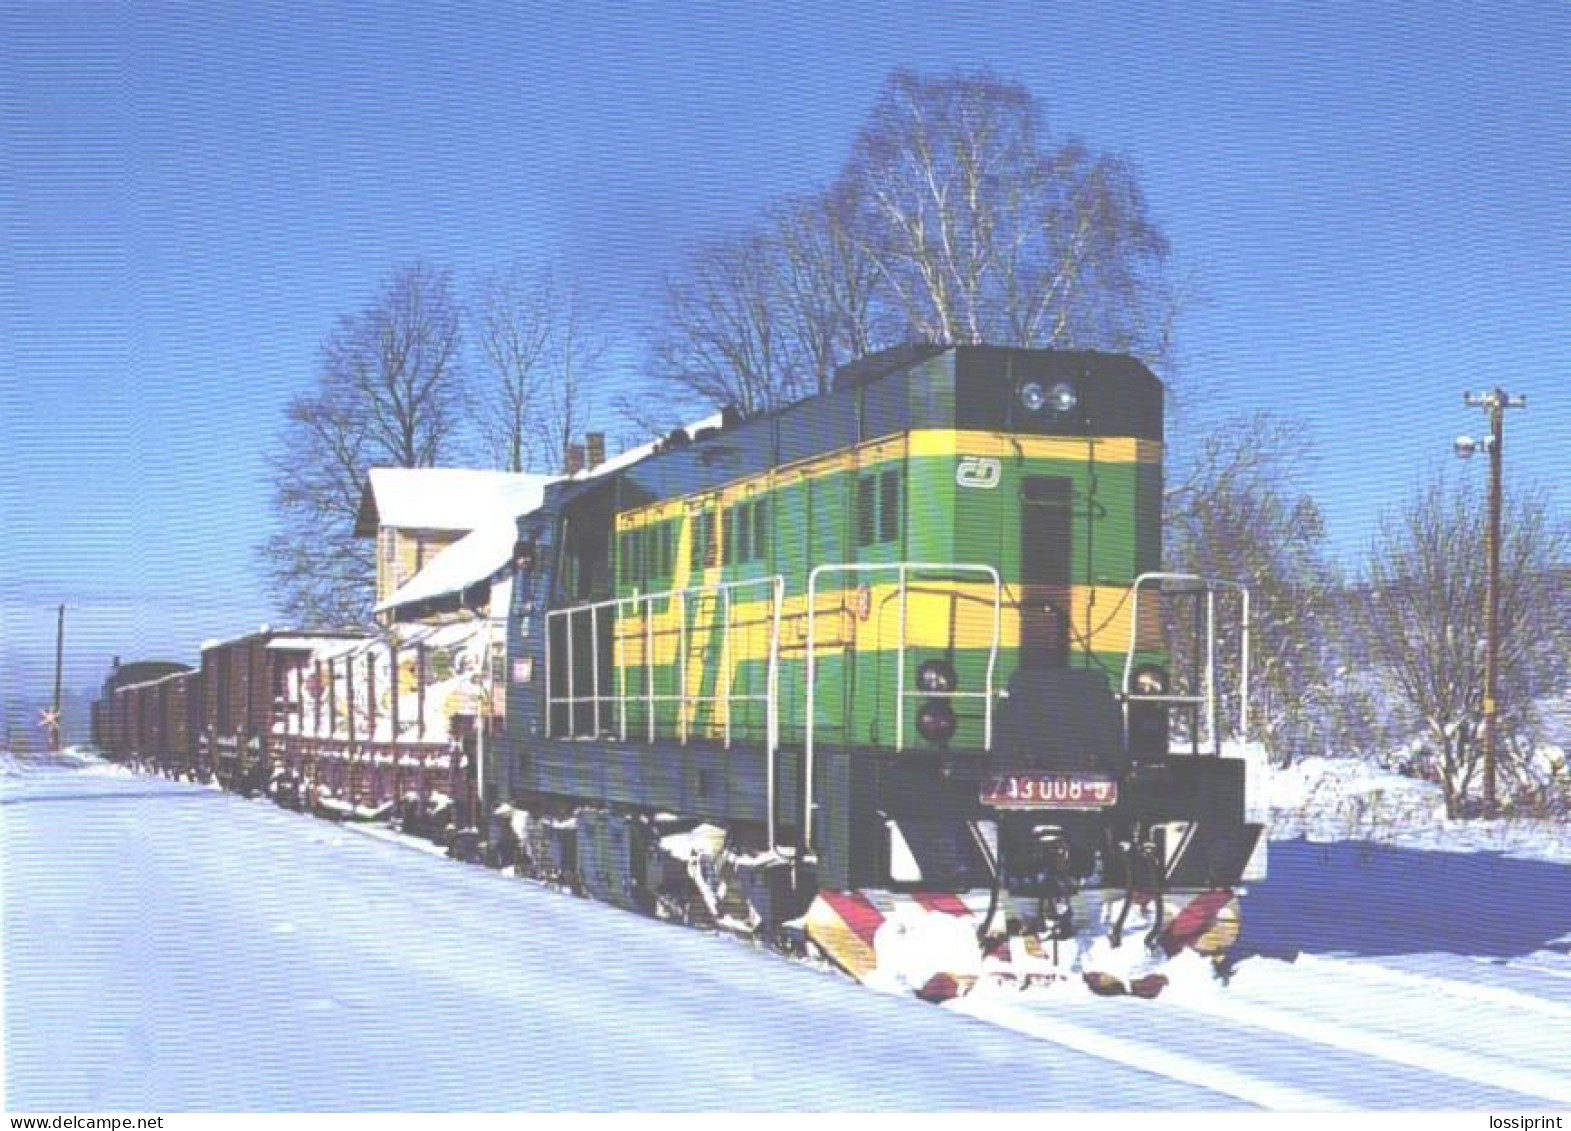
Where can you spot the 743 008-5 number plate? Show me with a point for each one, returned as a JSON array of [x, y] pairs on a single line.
[[1028, 789]]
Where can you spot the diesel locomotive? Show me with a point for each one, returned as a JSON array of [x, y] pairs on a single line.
[[905, 650]]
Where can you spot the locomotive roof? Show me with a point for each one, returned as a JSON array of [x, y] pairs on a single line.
[[898, 390]]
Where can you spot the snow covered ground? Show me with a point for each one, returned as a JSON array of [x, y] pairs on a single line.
[[1343, 799], [169, 947]]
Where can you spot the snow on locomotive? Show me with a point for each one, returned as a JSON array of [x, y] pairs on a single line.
[[892, 671]]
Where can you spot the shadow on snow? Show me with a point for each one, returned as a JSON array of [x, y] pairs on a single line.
[[1363, 898]]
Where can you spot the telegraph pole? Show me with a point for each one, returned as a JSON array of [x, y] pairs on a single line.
[[55, 722], [1495, 402]]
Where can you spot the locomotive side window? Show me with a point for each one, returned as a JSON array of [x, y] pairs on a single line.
[[704, 550], [889, 507], [698, 547], [746, 532], [731, 552], [878, 508]]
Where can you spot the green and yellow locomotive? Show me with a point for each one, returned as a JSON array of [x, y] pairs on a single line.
[[896, 654]]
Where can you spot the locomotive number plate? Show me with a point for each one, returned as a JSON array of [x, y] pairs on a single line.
[[1031, 790]]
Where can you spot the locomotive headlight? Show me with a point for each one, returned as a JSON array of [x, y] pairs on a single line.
[[1032, 396], [935, 721], [1149, 679], [936, 675], [1063, 397]]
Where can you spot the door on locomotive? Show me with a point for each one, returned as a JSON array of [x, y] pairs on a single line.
[[1046, 512]]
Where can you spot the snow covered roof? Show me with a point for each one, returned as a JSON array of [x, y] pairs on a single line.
[[481, 502], [633, 455], [474, 557], [286, 638], [444, 498], [172, 677], [315, 642]]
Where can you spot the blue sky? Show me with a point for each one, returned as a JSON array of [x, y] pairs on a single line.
[[1374, 202]]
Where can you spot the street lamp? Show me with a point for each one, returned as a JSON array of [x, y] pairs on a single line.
[[1494, 402]]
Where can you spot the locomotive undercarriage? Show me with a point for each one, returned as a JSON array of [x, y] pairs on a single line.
[[1043, 897]]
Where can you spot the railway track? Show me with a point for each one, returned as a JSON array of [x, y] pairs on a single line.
[[1322, 1035]]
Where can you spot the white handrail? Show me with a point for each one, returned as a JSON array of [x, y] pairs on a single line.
[[1211, 585], [903, 571], [644, 603]]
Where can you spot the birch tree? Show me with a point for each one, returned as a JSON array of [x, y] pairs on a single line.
[[956, 219], [984, 228], [574, 353]]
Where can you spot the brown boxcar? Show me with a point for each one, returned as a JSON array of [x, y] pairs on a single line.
[[117, 716]]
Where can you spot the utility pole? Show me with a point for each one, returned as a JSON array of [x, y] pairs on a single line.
[[57, 726], [1495, 402]]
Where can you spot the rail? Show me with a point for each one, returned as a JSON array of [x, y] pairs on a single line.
[[903, 570]]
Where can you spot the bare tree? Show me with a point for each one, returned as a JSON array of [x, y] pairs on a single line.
[[762, 319], [1423, 607], [1242, 520], [827, 286], [319, 572], [985, 230], [389, 394], [511, 322], [574, 350], [955, 220], [397, 362], [1240, 454], [723, 337]]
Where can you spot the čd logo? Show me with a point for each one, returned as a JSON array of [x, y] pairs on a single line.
[[981, 472]]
